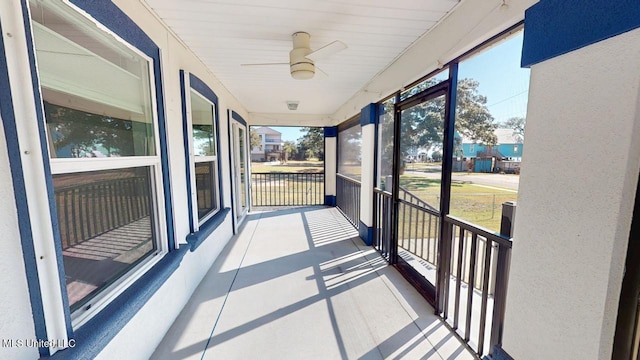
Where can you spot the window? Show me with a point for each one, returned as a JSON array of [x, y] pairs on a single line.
[[438, 77], [491, 111], [385, 144], [205, 160], [103, 146], [350, 150]]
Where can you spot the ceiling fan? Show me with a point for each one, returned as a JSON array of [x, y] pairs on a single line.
[[301, 58]]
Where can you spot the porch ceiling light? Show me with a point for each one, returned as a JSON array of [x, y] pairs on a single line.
[[292, 105]]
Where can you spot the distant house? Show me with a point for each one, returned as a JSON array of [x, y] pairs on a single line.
[[505, 156], [271, 145]]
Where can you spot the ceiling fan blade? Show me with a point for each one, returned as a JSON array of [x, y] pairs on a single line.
[[264, 64], [321, 74], [327, 50]]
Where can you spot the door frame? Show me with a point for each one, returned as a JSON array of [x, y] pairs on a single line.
[[433, 293], [627, 334], [238, 215]]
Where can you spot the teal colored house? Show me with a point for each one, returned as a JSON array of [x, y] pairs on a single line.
[[509, 145]]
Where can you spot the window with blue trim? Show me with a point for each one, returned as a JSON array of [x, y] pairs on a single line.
[[204, 157], [102, 133]]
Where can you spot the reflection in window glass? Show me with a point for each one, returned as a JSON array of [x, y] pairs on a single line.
[[80, 134], [350, 152], [202, 126], [96, 90], [205, 188], [489, 135], [385, 144], [423, 85], [98, 102], [106, 227], [204, 150]]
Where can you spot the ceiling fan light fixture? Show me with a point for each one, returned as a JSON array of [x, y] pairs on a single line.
[[301, 57], [303, 70]]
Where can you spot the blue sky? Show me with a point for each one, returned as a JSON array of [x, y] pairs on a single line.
[[291, 133], [502, 81]]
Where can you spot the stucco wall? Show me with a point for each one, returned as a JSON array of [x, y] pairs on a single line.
[[17, 322], [574, 211], [135, 340], [158, 314]]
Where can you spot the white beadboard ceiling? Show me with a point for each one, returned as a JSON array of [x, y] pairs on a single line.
[[225, 34]]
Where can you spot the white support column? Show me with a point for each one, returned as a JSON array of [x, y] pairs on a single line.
[[368, 120], [330, 164], [577, 189]]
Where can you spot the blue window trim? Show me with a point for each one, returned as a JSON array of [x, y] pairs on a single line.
[[93, 336], [108, 14], [185, 138], [196, 238], [19, 189], [238, 118], [104, 326]]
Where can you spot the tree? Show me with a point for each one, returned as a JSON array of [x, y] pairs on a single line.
[[311, 144], [473, 119], [255, 140], [423, 124], [289, 149], [84, 134], [515, 123]]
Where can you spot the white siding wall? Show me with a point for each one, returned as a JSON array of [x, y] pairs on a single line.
[[577, 186]]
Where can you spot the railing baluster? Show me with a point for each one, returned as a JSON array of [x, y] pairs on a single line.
[[472, 270], [485, 294], [422, 236], [456, 310], [288, 189]]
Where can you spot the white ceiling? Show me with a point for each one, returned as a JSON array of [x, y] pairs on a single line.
[[225, 34]]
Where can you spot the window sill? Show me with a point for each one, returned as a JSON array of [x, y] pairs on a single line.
[[93, 336], [197, 238]]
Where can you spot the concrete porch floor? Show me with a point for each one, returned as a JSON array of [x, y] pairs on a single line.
[[300, 284]]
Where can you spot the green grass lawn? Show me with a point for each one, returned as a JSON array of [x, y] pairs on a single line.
[[477, 204], [278, 190], [294, 166]]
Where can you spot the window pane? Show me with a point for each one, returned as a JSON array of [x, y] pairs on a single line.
[[350, 152], [242, 164], [421, 144], [79, 134], [434, 80], [489, 135], [205, 188], [385, 145], [202, 117], [96, 90], [106, 227]]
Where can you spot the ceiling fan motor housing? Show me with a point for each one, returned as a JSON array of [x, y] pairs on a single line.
[[301, 67]]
